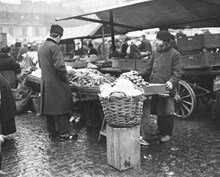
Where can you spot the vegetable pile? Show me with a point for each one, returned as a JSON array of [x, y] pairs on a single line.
[[135, 78], [88, 78]]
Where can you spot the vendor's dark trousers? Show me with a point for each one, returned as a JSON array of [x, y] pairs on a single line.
[[58, 124], [165, 125]]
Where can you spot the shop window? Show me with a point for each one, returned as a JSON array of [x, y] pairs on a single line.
[[37, 32]]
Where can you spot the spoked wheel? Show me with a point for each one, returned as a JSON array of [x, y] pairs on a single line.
[[201, 94], [185, 100]]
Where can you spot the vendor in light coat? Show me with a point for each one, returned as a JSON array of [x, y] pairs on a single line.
[[56, 95], [165, 68]]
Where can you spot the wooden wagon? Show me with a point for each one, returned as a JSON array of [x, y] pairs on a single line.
[[200, 72]]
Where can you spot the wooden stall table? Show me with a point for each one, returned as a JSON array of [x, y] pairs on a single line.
[[91, 104]]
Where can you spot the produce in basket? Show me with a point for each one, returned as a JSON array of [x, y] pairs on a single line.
[[105, 86], [135, 78], [122, 88]]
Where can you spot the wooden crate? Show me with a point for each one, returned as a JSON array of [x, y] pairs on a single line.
[[200, 60], [198, 42], [123, 147], [155, 89]]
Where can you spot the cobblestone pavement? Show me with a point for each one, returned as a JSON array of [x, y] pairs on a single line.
[[194, 151]]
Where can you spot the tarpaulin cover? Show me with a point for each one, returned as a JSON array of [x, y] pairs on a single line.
[[93, 30], [147, 14]]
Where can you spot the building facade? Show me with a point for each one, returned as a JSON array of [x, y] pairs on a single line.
[[30, 21]]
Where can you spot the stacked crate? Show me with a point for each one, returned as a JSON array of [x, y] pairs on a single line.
[[130, 64], [200, 51]]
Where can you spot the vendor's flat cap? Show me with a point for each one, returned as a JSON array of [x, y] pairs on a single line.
[[56, 29], [164, 35], [5, 49]]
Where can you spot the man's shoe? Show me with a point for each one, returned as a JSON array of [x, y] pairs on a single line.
[[165, 139], [143, 142]]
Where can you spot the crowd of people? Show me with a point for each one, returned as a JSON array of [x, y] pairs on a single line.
[[124, 48], [136, 48]]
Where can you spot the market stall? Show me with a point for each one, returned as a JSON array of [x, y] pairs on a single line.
[[142, 15], [145, 15]]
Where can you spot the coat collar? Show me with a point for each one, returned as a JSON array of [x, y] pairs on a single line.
[[51, 40], [165, 50]]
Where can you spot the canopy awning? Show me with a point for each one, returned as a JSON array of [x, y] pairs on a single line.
[[93, 30], [147, 14]]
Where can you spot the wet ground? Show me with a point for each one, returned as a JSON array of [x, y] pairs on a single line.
[[194, 151]]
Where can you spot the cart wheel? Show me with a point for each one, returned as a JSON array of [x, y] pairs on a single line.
[[185, 100]]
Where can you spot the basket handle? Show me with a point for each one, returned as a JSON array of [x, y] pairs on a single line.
[[117, 92]]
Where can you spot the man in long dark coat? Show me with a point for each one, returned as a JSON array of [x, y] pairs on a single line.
[[56, 96]]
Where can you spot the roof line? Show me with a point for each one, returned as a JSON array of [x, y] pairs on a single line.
[[106, 9]]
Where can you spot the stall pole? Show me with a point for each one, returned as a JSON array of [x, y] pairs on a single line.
[[103, 44], [112, 30], [81, 47]]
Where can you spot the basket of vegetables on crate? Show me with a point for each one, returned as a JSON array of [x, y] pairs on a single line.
[[122, 102]]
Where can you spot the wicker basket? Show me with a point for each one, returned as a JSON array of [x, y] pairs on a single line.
[[36, 103], [123, 112]]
